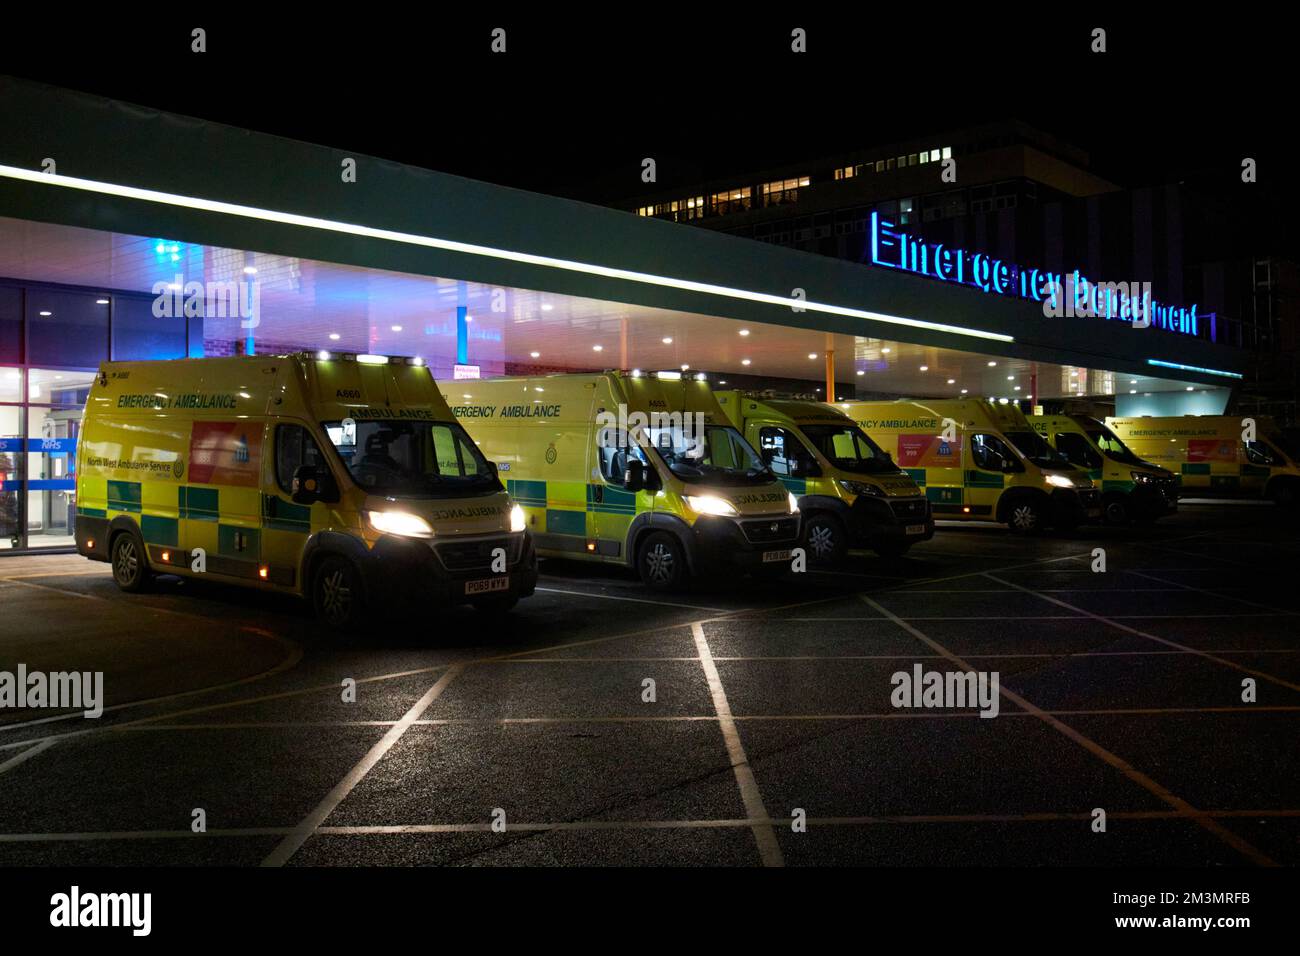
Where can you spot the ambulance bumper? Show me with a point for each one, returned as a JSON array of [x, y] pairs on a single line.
[[451, 571], [877, 521], [744, 542], [1154, 499], [1081, 506]]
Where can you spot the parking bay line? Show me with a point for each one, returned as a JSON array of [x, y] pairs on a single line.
[[1114, 621], [1178, 585], [1124, 767], [619, 597], [405, 829], [26, 755], [303, 831], [768, 847]]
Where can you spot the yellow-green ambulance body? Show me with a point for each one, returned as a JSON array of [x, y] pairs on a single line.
[[1132, 489], [851, 494], [980, 461], [1218, 456], [641, 470], [343, 479]]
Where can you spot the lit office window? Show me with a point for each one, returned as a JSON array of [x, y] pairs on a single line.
[[911, 159], [925, 157], [732, 200], [947, 152], [880, 165], [846, 172], [783, 190]]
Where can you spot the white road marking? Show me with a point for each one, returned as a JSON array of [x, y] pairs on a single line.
[[26, 755], [768, 847], [1114, 621], [1128, 770], [619, 597], [303, 831]]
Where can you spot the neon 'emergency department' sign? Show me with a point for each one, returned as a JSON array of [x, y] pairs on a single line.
[[898, 250]]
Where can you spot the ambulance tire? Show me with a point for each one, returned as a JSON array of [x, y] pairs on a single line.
[[824, 539], [661, 561], [130, 563], [1114, 509], [1026, 516], [336, 593]]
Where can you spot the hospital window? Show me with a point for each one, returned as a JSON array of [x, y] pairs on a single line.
[[783, 190], [294, 447], [731, 200]]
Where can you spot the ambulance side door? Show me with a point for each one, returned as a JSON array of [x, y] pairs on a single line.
[[285, 524]]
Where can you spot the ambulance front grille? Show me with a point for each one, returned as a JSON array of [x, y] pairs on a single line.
[[910, 508], [476, 555], [770, 529]]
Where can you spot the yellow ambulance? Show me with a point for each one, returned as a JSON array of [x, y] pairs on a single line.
[[1227, 456], [851, 494], [1132, 489], [978, 460], [341, 478], [631, 468]]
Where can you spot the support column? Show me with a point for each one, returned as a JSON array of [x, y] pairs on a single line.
[[830, 367]]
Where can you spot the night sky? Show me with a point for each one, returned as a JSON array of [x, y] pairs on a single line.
[[576, 103]]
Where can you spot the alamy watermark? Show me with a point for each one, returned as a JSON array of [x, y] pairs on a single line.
[[920, 688], [210, 300], [61, 690]]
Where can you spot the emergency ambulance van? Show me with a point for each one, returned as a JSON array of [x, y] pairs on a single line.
[[1217, 455], [340, 478], [636, 469], [851, 494], [980, 461], [1132, 490]]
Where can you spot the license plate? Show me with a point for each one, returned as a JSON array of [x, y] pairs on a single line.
[[769, 556], [916, 529], [487, 585]]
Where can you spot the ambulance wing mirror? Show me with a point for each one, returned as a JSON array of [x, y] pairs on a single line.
[[634, 476], [313, 484]]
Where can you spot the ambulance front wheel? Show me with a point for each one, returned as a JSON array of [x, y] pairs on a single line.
[[825, 539], [336, 595], [130, 565], [661, 561], [1026, 516], [1115, 509]]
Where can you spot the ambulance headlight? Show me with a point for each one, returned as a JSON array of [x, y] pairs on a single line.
[[1142, 476], [517, 520], [861, 488], [399, 522], [710, 505], [794, 503], [1059, 481]]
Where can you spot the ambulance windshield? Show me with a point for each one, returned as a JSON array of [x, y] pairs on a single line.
[[714, 453], [1111, 446], [1035, 448], [412, 459], [847, 447]]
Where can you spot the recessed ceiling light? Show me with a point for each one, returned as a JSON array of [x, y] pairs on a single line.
[[965, 390], [744, 332], [952, 381], [1189, 388], [1132, 391], [1011, 378], [334, 336], [546, 307], [51, 313], [598, 348], [250, 271], [1015, 388], [668, 340], [991, 364], [396, 328], [861, 372], [101, 302], [925, 368], [723, 382], [685, 368], [744, 361], [812, 355], [535, 354]]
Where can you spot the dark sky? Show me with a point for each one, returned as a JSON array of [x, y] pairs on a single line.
[[579, 99]]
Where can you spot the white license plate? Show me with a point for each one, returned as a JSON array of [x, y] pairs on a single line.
[[769, 556], [488, 585], [915, 529]]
